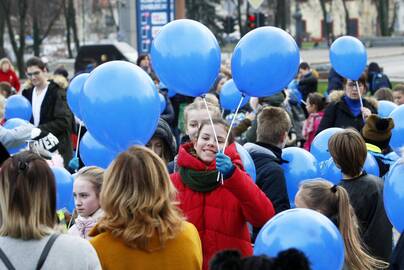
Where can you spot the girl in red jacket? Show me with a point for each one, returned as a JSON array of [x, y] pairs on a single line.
[[7, 74], [219, 211]]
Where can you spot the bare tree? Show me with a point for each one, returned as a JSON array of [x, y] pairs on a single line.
[[325, 22], [385, 21], [44, 14], [2, 31], [71, 25], [346, 11], [18, 44], [241, 26]]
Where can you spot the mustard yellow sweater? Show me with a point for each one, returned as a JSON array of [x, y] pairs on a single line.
[[182, 253]]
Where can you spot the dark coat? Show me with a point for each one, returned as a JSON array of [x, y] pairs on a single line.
[[56, 117], [335, 81], [307, 84], [338, 114], [397, 258], [366, 196]]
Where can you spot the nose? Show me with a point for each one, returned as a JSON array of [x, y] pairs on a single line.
[[78, 202]]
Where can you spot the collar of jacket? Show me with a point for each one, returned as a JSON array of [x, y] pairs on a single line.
[[188, 159], [265, 149]]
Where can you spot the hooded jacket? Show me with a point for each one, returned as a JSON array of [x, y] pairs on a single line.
[[221, 215]]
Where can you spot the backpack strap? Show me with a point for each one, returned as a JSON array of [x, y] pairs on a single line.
[[46, 250], [5, 260]]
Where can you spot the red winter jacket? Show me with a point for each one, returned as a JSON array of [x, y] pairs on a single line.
[[11, 77], [221, 215]]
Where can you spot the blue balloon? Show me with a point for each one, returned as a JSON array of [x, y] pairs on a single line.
[[74, 93], [264, 61], [385, 107], [248, 163], [306, 230], [163, 102], [397, 134], [329, 171], [186, 57], [171, 93], [371, 166], [64, 189], [95, 154], [13, 123], [120, 105], [393, 195], [319, 146], [18, 106], [230, 96], [348, 57], [302, 165]]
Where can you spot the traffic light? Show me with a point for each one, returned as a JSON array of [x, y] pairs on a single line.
[[252, 21], [228, 24], [256, 20]]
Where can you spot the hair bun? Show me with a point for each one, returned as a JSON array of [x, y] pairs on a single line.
[[291, 259]]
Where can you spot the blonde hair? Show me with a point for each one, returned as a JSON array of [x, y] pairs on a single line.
[[199, 104], [27, 197], [272, 124], [92, 174], [333, 201], [6, 60], [138, 200]]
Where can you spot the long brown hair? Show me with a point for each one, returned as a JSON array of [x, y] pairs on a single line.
[[333, 202], [138, 200], [27, 197]]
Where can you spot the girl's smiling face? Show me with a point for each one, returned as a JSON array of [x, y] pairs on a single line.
[[205, 145]]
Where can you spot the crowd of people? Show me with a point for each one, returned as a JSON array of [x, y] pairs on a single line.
[[184, 200]]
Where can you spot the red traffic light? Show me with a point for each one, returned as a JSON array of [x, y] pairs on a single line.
[[252, 18]]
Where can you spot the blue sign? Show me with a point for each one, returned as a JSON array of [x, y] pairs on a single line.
[[151, 16]]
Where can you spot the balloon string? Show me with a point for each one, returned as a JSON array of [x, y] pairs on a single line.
[[233, 119], [214, 132], [78, 140], [360, 99]]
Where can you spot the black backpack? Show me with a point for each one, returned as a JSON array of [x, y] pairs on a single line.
[[379, 80]]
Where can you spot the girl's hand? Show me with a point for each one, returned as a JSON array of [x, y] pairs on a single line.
[[224, 165], [366, 112]]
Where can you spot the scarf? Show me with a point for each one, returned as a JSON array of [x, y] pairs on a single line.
[[84, 225], [200, 181], [354, 105]]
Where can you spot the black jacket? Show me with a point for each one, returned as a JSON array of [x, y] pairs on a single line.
[[307, 84], [366, 196], [338, 114], [397, 258], [270, 175], [55, 117]]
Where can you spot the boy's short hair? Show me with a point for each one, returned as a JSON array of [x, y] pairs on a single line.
[[399, 88], [272, 124], [35, 61], [348, 150]]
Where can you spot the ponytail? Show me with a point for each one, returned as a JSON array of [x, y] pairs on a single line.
[[356, 256]]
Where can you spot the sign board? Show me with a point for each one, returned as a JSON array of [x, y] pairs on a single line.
[[151, 16], [255, 3]]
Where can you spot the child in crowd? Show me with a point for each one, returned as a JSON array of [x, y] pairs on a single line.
[[315, 105], [333, 201], [348, 150], [398, 94], [142, 227], [163, 142], [194, 114], [219, 211], [86, 191]]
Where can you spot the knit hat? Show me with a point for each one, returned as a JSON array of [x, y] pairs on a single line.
[[377, 130], [164, 132]]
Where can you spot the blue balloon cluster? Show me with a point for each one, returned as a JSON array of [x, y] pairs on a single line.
[[64, 189], [230, 96], [248, 163], [163, 102], [394, 195], [264, 61], [186, 57], [18, 106], [301, 165], [306, 230], [348, 57]]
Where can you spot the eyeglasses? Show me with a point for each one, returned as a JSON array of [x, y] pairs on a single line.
[[353, 84], [31, 74]]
